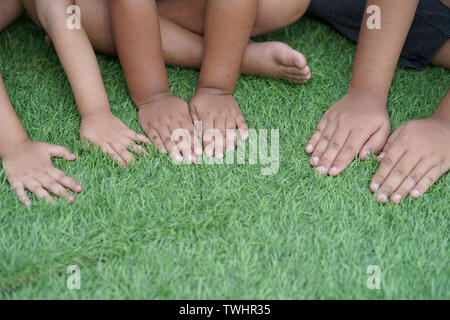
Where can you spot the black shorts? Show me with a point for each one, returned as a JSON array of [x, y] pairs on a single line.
[[429, 31]]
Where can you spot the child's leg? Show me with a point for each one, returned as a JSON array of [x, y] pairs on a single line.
[[442, 57], [182, 28], [10, 10], [183, 45]]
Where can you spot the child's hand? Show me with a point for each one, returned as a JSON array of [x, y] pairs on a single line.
[[414, 158], [29, 167], [217, 111], [160, 120], [355, 124], [112, 136]]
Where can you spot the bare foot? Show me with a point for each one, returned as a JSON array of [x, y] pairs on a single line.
[[275, 60]]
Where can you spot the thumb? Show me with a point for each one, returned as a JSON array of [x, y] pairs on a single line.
[[375, 143], [61, 152]]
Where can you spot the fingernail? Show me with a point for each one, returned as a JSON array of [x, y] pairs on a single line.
[[164, 151], [73, 156], [179, 158], [375, 186], [382, 197], [72, 199], [396, 199], [415, 193], [78, 188], [309, 148], [28, 203], [366, 154], [381, 156], [334, 170], [198, 151], [220, 155], [208, 152], [315, 160], [321, 170]]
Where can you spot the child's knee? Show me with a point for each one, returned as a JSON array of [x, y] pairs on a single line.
[[50, 11], [275, 14]]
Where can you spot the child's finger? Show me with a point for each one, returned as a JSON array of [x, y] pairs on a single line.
[[170, 145], [311, 145], [19, 187], [106, 148], [241, 124], [138, 137], [208, 134], [322, 144], [58, 190], [375, 143], [397, 175], [65, 181], [157, 141], [219, 141], [60, 152], [426, 182], [36, 188], [196, 146], [230, 137], [347, 154], [334, 147], [385, 168], [122, 150], [138, 150]]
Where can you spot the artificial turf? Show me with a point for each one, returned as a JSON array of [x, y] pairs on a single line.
[[161, 231]]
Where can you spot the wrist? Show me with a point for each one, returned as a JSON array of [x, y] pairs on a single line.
[[378, 98], [13, 145], [213, 91], [153, 98]]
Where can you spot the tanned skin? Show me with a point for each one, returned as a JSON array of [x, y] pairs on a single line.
[[417, 153]]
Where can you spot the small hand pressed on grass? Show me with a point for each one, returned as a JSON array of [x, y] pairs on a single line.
[[416, 155], [113, 137], [217, 110], [357, 124], [161, 118], [29, 167]]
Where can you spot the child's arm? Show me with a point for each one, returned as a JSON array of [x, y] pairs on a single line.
[[28, 164], [228, 27], [78, 59], [359, 122], [137, 37], [416, 155]]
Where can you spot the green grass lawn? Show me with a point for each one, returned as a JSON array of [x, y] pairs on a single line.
[[161, 231]]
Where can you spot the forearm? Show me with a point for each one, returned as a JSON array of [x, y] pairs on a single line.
[[379, 50], [138, 41], [78, 60], [228, 27], [11, 130], [443, 110]]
